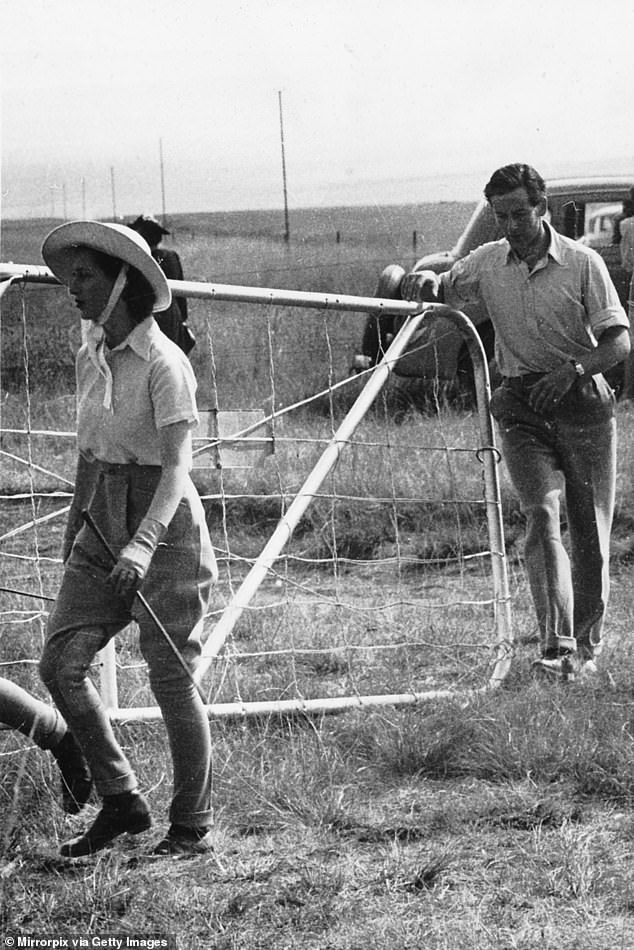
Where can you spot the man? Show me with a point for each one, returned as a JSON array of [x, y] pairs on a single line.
[[173, 322], [559, 325], [627, 262], [626, 244], [625, 212]]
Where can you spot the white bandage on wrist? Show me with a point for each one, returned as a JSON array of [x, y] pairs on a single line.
[[139, 551]]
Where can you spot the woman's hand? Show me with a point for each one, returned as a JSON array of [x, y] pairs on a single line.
[[123, 580], [134, 560]]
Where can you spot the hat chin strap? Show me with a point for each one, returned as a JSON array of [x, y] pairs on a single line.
[[115, 293], [93, 335], [89, 327]]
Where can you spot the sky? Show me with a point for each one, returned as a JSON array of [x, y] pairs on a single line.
[[126, 106]]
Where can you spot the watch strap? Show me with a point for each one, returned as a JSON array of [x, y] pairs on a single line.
[[579, 367]]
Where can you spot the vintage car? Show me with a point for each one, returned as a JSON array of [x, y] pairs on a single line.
[[601, 226], [438, 352]]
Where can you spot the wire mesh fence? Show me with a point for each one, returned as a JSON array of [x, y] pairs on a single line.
[[362, 559]]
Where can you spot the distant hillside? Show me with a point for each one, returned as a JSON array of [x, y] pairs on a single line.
[[437, 225], [359, 224], [242, 248]]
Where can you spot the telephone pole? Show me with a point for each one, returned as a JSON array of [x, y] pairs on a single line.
[[287, 233], [162, 181], [114, 200]]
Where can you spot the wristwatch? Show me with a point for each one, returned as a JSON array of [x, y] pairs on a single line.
[[579, 369]]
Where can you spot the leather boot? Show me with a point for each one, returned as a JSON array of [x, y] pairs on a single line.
[[128, 812], [181, 841]]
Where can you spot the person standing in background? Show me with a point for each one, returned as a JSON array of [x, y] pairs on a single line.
[[626, 244], [625, 212], [173, 321], [626, 249]]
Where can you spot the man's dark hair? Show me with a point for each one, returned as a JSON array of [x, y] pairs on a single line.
[[137, 293], [518, 175]]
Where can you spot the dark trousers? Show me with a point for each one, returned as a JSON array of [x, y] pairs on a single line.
[[570, 454]]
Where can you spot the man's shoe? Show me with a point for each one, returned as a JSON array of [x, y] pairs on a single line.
[[181, 841], [388, 288], [76, 779], [360, 362], [586, 670], [567, 667], [128, 812]]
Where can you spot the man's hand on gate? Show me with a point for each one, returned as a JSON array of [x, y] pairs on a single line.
[[421, 286]]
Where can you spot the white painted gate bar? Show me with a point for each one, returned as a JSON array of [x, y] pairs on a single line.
[[340, 439], [490, 456]]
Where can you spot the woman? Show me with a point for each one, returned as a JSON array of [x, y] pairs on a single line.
[[45, 727], [135, 411]]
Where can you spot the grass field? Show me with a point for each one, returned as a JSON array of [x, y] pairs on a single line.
[[237, 343], [504, 823]]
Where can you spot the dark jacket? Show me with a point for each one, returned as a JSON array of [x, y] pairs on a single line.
[[173, 322]]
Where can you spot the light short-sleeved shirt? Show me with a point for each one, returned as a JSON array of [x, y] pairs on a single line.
[[542, 317], [153, 385]]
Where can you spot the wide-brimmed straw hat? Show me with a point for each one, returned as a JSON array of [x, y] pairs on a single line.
[[115, 240]]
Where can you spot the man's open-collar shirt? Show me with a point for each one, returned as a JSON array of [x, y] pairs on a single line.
[[542, 316]]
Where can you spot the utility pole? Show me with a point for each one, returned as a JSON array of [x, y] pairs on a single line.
[[64, 202], [162, 182], [83, 198], [287, 233], [114, 200]]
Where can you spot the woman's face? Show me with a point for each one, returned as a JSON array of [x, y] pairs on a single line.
[[89, 284]]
